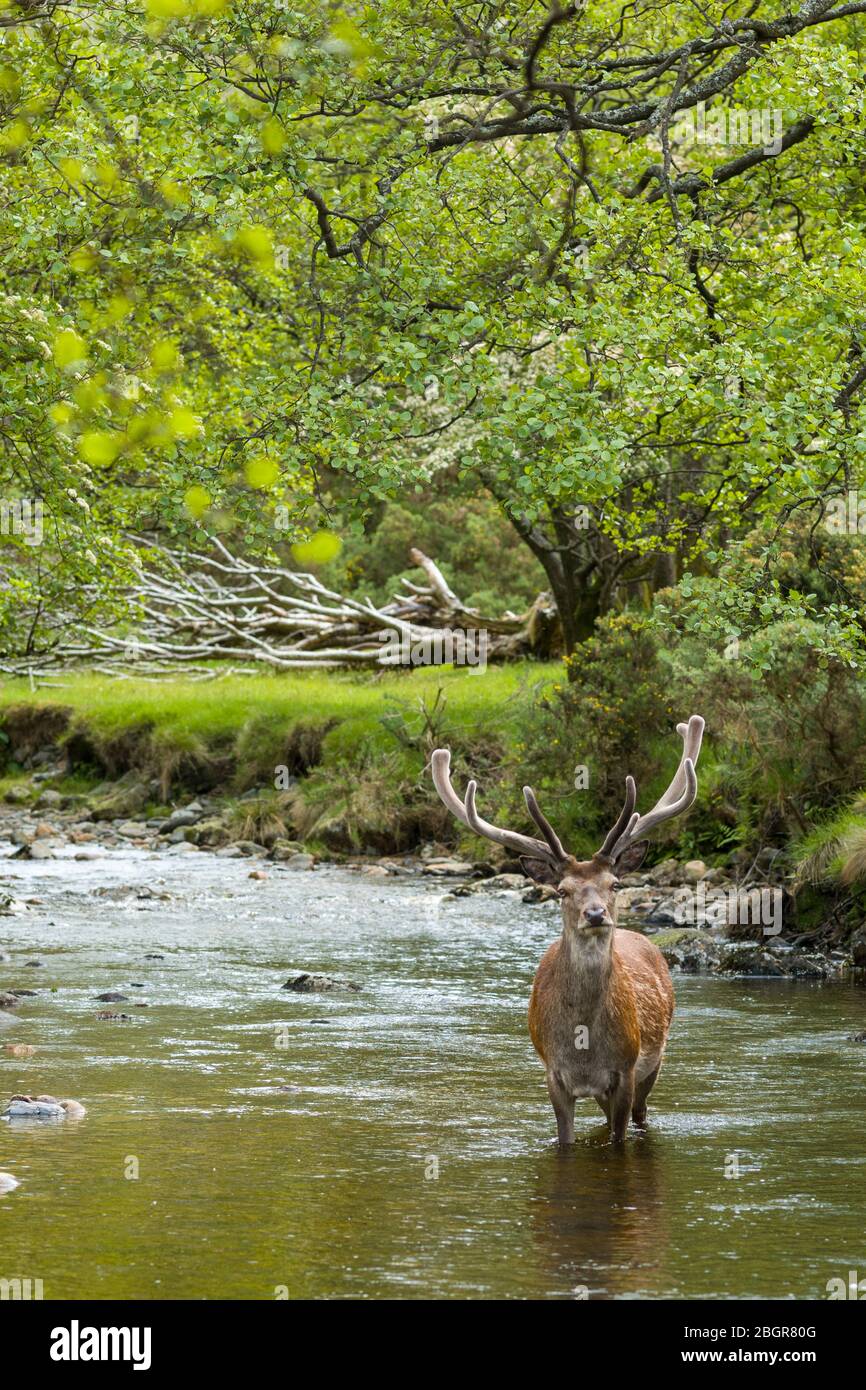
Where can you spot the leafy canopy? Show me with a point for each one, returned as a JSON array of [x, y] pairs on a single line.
[[261, 258]]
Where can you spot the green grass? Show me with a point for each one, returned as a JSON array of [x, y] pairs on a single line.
[[186, 710], [834, 851], [359, 743]]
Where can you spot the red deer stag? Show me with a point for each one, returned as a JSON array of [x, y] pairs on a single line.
[[602, 1000]]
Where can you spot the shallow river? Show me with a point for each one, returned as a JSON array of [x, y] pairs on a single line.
[[246, 1142]]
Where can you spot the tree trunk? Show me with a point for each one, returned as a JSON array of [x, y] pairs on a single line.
[[569, 570]]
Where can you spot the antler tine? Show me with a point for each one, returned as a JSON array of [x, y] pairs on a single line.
[[679, 796], [624, 822], [691, 734], [523, 844], [666, 810], [440, 766], [543, 824], [468, 815]]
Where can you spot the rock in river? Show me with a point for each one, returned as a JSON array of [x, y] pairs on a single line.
[[753, 958], [300, 861], [319, 984], [688, 949], [34, 851], [179, 819], [448, 868], [43, 1108], [131, 829]]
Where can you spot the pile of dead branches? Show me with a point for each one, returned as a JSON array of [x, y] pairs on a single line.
[[202, 614]]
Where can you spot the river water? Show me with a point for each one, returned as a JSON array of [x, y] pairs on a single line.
[[246, 1142]]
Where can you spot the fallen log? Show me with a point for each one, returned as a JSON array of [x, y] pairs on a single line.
[[192, 611]]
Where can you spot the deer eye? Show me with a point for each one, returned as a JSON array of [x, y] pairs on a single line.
[[615, 886]]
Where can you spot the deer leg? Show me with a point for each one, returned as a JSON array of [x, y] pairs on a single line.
[[641, 1092], [563, 1109], [621, 1099]]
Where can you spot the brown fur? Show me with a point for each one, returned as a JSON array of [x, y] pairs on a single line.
[[612, 985], [641, 998]]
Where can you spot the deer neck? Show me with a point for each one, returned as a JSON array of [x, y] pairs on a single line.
[[585, 965]]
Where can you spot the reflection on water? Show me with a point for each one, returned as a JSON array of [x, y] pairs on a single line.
[[601, 1218], [397, 1142]]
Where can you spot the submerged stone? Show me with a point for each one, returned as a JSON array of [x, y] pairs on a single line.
[[320, 984]]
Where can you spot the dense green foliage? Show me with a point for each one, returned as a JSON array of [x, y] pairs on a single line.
[[469, 538], [783, 744], [271, 265]]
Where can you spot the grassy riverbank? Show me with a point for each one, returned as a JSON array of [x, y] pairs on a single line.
[[354, 747], [209, 707]]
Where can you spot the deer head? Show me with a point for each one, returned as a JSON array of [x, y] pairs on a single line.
[[587, 887]]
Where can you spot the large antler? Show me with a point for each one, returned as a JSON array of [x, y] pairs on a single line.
[[631, 827], [550, 849]]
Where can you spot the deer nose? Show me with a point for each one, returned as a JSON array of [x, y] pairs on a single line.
[[594, 916]]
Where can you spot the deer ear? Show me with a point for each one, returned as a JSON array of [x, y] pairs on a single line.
[[541, 871], [632, 858]]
